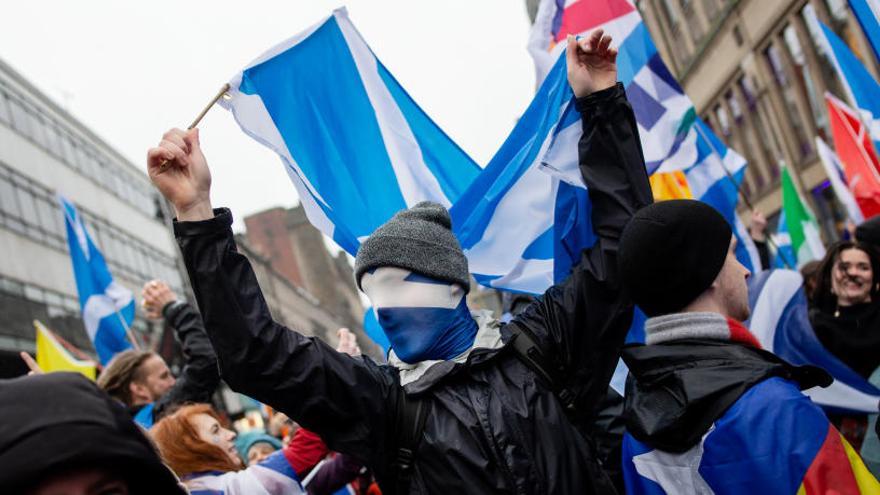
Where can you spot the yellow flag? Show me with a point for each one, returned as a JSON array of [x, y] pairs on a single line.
[[670, 185], [52, 356]]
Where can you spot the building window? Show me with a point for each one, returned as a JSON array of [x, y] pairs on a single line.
[[802, 74], [787, 90], [5, 115], [735, 108], [723, 121]]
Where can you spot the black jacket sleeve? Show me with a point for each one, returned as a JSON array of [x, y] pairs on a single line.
[[342, 399], [869, 232], [583, 321], [763, 253], [200, 377]]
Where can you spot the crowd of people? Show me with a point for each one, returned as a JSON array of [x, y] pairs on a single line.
[[465, 403]]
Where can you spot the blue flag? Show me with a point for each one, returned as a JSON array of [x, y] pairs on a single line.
[[107, 307], [868, 12]]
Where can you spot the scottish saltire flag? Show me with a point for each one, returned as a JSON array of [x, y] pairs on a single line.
[[107, 307], [800, 223], [860, 163], [780, 321], [772, 440], [861, 89], [868, 14], [785, 253], [272, 476], [354, 143], [836, 173]]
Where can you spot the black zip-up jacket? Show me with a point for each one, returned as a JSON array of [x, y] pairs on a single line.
[[493, 425], [200, 375]]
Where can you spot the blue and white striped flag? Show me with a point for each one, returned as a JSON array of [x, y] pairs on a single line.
[[785, 255], [861, 89], [356, 146], [107, 307], [781, 323], [868, 14]]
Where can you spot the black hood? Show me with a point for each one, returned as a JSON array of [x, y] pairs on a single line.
[[676, 390], [61, 421]]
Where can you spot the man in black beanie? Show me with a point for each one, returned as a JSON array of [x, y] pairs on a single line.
[[707, 410], [60, 434], [457, 409]]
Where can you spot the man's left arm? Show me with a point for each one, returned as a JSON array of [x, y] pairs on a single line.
[[584, 319]]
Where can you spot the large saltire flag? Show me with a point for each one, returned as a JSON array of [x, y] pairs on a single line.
[[354, 143], [803, 229], [861, 89], [860, 163], [868, 14], [53, 356], [675, 142], [781, 323], [836, 173], [107, 307]]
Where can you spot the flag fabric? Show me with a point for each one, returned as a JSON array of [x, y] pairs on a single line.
[[107, 307], [861, 89], [772, 440], [354, 143], [860, 164], [837, 177], [868, 14], [52, 356], [785, 254], [780, 322], [800, 223]]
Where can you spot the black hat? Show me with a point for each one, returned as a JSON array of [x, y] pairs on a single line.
[[418, 239], [57, 422], [670, 252]]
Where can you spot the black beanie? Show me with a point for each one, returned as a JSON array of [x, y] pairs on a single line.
[[56, 422], [670, 252], [419, 239]]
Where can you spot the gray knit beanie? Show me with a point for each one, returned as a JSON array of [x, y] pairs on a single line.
[[419, 239]]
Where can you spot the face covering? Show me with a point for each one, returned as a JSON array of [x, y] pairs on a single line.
[[424, 318]]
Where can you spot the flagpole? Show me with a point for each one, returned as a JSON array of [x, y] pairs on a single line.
[[741, 194], [128, 331], [199, 117]]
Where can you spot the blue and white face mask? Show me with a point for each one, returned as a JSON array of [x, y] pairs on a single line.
[[423, 318]]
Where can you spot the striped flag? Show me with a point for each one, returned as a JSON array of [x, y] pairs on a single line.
[[860, 164], [867, 13], [781, 323], [800, 223], [107, 307], [354, 143]]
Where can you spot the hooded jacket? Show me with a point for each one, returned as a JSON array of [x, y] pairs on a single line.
[[61, 421], [493, 425], [711, 416]]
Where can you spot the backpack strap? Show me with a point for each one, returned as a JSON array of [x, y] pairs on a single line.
[[412, 413], [531, 354]]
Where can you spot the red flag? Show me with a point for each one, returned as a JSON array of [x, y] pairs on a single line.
[[856, 152]]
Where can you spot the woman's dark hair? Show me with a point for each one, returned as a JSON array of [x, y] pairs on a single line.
[[822, 297]]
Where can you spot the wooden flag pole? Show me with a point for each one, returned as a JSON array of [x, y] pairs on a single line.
[[199, 117]]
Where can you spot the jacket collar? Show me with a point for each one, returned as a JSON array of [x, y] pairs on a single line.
[[418, 377]]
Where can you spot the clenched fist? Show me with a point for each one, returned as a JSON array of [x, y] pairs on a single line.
[[592, 63], [180, 172]]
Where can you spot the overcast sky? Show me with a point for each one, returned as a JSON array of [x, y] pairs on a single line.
[[130, 70]]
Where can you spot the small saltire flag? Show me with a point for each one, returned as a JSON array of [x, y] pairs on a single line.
[[354, 143], [107, 307], [837, 176], [801, 223], [785, 255], [861, 89], [868, 14], [780, 321], [52, 356], [860, 164]]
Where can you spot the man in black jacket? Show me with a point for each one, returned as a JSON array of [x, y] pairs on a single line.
[[492, 425], [142, 381]]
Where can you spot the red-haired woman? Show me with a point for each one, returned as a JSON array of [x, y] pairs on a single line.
[[202, 452]]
